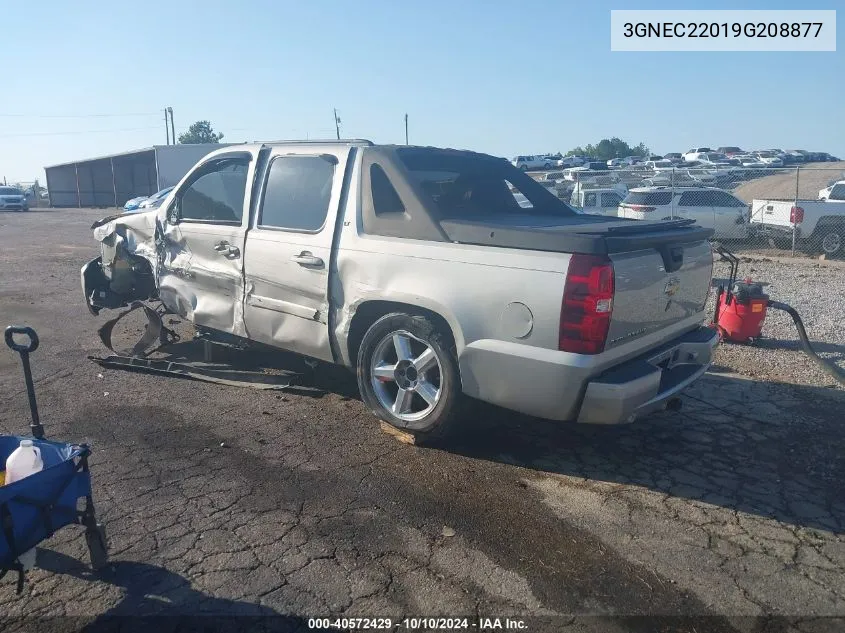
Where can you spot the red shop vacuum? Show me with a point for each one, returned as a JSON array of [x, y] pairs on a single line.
[[740, 305], [741, 310]]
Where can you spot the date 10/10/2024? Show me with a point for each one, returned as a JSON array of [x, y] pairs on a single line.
[[420, 624]]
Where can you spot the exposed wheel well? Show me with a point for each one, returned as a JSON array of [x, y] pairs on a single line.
[[371, 311], [827, 222]]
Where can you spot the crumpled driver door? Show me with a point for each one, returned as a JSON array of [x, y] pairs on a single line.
[[200, 272]]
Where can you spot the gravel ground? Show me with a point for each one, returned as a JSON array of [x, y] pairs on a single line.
[[816, 290]]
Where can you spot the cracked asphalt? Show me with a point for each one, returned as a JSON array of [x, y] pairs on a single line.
[[726, 515]]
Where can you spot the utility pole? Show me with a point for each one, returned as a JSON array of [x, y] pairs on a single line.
[[406, 128], [172, 126], [337, 124], [166, 129]]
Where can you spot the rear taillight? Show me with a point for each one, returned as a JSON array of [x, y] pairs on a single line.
[[638, 207], [587, 305], [796, 215]]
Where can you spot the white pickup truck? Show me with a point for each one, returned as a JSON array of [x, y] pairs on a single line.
[[819, 225], [417, 268]]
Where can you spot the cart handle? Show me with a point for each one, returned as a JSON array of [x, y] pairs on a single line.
[[30, 346]]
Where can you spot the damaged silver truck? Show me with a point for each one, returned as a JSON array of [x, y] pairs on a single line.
[[417, 268]]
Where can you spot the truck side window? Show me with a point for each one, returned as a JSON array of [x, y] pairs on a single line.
[[217, 195], [297, 193], [590, 200], [385, 199], [610, 200]]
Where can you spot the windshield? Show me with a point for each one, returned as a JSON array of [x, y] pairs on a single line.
[[464, 185], [716, 156], [10, 191], [766, 155], [161, 193]]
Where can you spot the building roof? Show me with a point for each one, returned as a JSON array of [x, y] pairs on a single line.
[[134, 151]]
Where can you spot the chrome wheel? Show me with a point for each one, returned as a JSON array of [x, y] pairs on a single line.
[[831, 243], [405, 374]]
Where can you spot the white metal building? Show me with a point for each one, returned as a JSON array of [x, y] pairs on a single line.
[[109, 181]]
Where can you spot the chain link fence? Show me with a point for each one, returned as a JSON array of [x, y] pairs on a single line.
[[771, 210]]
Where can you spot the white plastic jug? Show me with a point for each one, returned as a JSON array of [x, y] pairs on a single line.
[[24, 461]]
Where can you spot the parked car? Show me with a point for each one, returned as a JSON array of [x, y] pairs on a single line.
[[674, 157], [710, 207], [394, 282], [155, 200], [569, 161], [714, 159], [749, 161], [630, 161], [615, 162], [693, 154], [818, 225], [729, 150], [532, 162], [13, 198], [769, 159], [660, 163], [836, 191], [798, 156], [600, 201], [133, 203]]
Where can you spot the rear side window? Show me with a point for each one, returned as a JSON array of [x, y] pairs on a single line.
[[698, 199], [724, 199], [610, 200], [650, 198], [837, 193], [590, 200], [297, 193], [385, 199]]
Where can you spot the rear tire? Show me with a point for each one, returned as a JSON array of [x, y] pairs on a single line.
[[831, 241], [408, 376]]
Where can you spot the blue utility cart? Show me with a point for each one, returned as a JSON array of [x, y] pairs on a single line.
[[33, 508]]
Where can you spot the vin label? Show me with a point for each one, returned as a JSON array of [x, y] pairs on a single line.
[[722, 30]]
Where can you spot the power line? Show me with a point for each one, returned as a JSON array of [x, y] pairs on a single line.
[[77, 116], [27, 134]]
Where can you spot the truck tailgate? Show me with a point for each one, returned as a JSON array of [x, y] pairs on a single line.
[[774, 212], [649, 297]]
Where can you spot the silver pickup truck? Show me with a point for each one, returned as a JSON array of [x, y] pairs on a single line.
[[417, 268]]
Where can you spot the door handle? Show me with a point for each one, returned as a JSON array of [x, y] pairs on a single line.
[[227, 250], [307, 259]]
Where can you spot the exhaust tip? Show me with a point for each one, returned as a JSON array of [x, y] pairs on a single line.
[[674, 404]]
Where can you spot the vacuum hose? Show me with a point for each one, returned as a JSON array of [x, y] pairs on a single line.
[[834, 371]]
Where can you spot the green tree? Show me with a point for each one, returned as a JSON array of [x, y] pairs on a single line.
[[610, 148], [200, 132]]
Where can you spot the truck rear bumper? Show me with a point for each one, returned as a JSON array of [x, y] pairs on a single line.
[[574, 387], [644, 385]]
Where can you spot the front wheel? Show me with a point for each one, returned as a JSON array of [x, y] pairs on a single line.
[[408, 375]]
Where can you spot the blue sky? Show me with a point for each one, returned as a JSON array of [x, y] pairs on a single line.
[[494, 76]]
